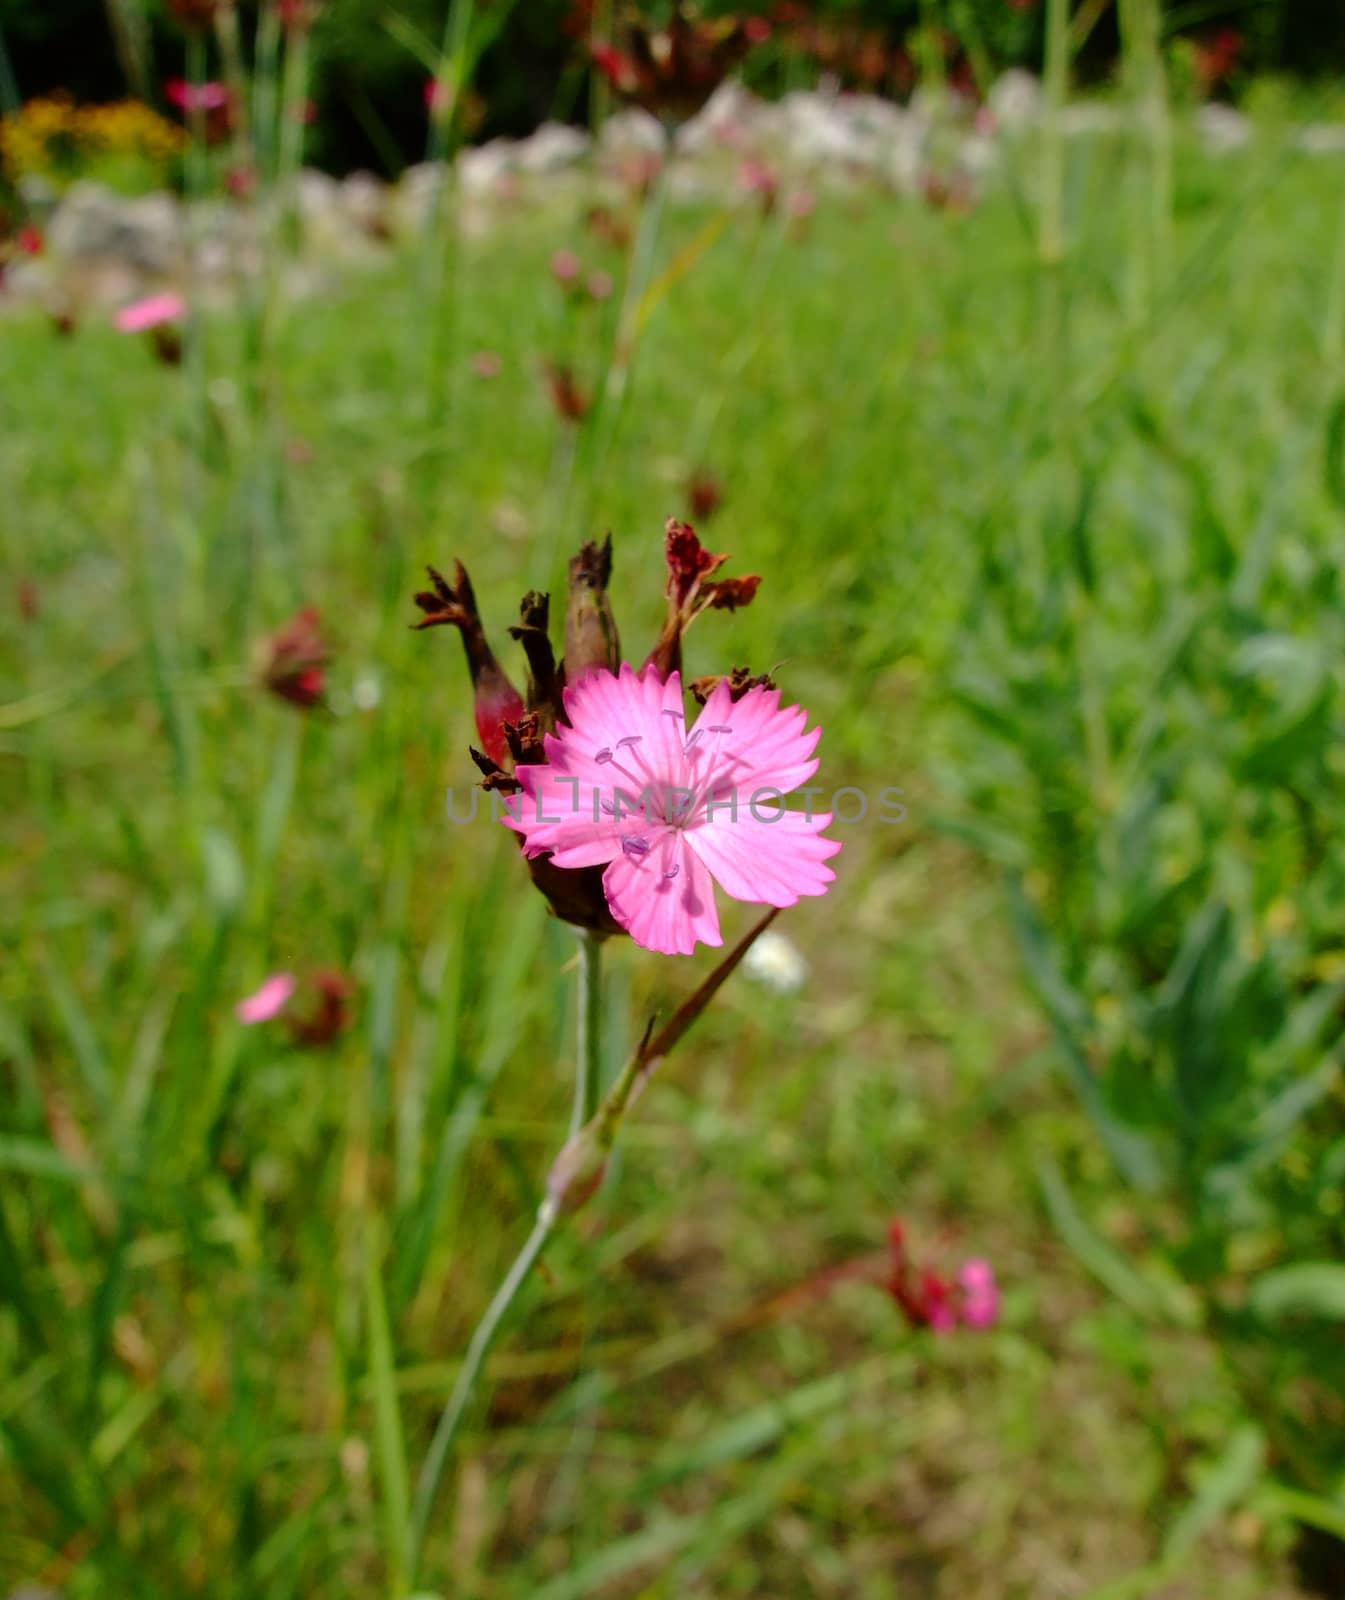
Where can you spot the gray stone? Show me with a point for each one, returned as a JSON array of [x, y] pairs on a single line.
[[1015, 100], [553, 147], [364, 199], [727, 119], [481, 167], [633, 132], [1221, 128], [92, 225], [1322, 139]]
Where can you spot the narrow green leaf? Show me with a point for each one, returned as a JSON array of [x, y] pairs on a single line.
[[391, 1445], [1305, 1289]]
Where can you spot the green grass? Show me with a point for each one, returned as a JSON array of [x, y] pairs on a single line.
[[239, 1276]]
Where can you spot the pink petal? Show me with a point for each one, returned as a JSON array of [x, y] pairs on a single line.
[[981, 1313], [605, 708], [765, 747], [269, 1001], [664, 899], [150, 312], [623, 748], [770, 863], [976, 1273], [565, 815]]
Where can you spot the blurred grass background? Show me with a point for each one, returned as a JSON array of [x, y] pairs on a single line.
[[240, 1273]]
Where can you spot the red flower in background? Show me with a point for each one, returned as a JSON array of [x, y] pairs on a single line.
[[1216, 57], [294, 661], [212, 101], [671, 67], [704, 495], [932, 1299]]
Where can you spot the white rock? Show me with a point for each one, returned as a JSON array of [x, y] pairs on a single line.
[[481, 167], [1322, 139], [1221, 128], [1015, 100], [93, 225], [555, 145], [728, 118], [317, 194], [633, 132], [817, 132], [364, 200]]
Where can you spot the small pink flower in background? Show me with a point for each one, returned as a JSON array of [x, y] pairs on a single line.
[[486, 364], [801, 205], [196, 96], [268, 1001], [241, 182], [29, 241], [980, 1293], [325, 1015], [565, 267], [151, 312], [671, 812], [930, 1300], [600, 285], [756, 178]]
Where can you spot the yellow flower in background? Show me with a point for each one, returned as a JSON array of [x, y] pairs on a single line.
[[125, 143]]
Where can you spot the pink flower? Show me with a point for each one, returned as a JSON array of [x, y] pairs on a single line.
[[196, 96], [980, 1293], [151, 312], [269, 1001], [600, 285], [565, 266], [930, 1300], [672, 813]]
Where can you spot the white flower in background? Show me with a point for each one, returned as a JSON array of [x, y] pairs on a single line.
[[367, 691], [777, 962]]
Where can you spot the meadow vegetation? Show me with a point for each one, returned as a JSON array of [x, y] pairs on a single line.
[[1053, 546]]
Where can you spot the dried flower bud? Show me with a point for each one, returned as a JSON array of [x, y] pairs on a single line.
[[590, 629], [294, 660], [195, 13], [567, 397], [690, 591], [704, 495], [740, 680], [494, 778], [328, 1016], [166, 342], [496, 699], [531, 632]]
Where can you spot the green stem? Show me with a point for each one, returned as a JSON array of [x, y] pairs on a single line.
[[1051, 243], [588, 1066], [431, 1473], [588, 1073], [1333, 326]]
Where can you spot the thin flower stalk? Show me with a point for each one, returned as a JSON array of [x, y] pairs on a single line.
[[575, 1176]]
